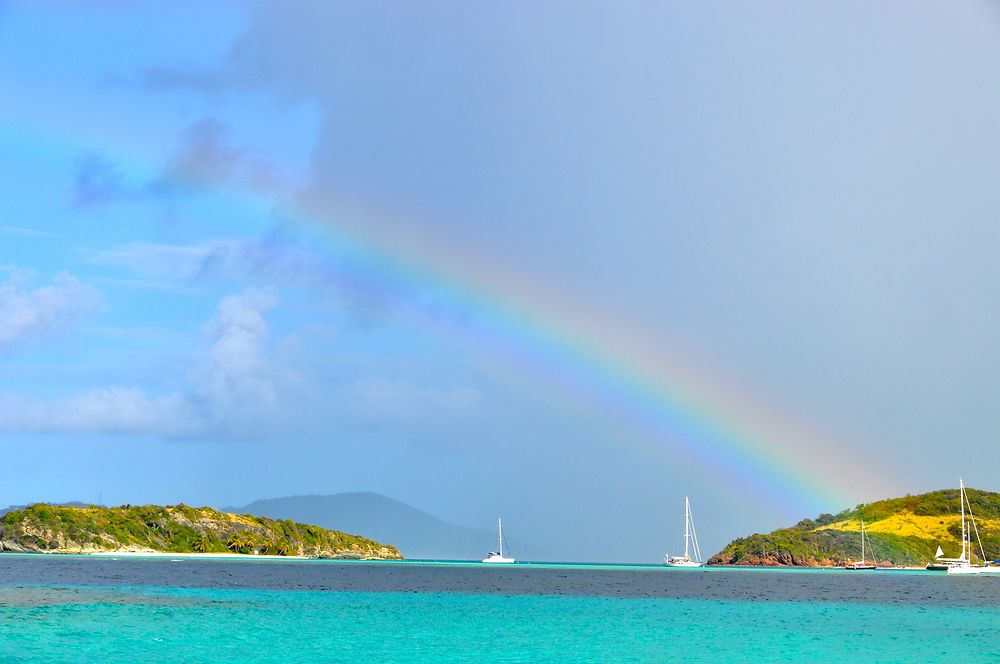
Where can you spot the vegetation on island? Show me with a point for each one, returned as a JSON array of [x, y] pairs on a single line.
[[174, 529], [899, 531]]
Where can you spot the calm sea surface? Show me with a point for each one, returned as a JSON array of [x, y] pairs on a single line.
[[79, 608]]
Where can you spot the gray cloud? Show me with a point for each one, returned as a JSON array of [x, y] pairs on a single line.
[[98, 181], [813, 214], [206, 158], [162, 78], [746, 184]]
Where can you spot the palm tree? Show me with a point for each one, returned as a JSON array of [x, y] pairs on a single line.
[[235, 543]]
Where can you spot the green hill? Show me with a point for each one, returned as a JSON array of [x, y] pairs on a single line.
[[174, 529], [901, 531]]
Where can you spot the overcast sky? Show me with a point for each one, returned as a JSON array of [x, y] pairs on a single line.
[[565, 262]]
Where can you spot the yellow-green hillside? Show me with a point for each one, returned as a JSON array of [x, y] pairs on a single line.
[[901, 531]]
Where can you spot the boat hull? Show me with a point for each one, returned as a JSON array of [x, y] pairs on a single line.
[[975, 569], [859, 566], [498, 560], [681, 562]]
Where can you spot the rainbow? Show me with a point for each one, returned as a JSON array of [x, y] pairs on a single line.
[[669, 403]]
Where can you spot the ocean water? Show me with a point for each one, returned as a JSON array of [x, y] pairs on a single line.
[[78, 608]]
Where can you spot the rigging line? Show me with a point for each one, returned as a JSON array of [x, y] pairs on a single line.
[[982, 551], [694, 535]]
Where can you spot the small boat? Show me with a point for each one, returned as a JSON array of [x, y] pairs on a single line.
[[940, 563], [861, 564], [497, 557], [690, 543]]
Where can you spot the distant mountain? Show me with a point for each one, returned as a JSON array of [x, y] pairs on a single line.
[[414, 532], [901, 531]]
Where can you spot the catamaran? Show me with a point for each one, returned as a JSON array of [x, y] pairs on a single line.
[[861, 564], [690, 543], [497, 557], [963, 564]]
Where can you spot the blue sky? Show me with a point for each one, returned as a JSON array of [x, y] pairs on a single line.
[[246, 250]]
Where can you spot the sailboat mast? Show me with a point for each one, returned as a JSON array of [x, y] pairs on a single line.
[[687, 525], [500, 536], [961, 501], [862, 541]]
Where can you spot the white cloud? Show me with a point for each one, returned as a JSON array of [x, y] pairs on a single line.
[[237, 388], [284, 256], [28, 313], [236, 381], [233, 391], [226, 257], [116, 409], [21, 231], [164, 261]]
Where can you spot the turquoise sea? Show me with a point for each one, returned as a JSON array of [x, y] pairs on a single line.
[[71, 609]]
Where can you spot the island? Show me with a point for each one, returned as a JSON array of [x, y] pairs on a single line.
[[900, 532], [175, 529]]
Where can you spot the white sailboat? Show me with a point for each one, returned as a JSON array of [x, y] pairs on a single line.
[[942, 564], [690, 543], [963, 564], [861, 564], [497, 557]]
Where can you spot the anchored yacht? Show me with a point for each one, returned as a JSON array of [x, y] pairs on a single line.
[[963, 565], [690, 543], [861, 564], [497, 556]]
